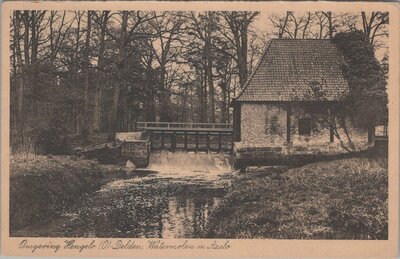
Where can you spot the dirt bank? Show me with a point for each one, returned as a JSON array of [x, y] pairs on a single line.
[[341, 199], [43, 185]]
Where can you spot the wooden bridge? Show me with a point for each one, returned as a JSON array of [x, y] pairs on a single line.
[[188, 136]]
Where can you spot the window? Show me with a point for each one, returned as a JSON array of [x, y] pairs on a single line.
[[272, 126], [305, 126]]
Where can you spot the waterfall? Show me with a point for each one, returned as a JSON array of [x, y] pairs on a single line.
[[181, 162]]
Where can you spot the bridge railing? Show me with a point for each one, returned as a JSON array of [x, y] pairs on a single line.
[[184, 125], [187, 135]]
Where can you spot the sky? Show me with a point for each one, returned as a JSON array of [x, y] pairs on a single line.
[[263, 24]]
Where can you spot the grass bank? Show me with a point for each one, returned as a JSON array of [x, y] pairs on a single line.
[[341, 199], [43, 185]]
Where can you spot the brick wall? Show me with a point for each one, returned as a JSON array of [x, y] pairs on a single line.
[[264, 126]]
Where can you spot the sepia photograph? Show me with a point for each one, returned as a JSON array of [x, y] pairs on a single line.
[[199, 124]]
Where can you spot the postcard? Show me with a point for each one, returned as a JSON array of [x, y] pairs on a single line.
[[199, 129]]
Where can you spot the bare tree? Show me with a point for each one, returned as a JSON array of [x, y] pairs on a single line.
[[280, 23], [238, 23], [166, 27], [292, 26], [36, 18], [20, 71], [202, 26], [125, 37], [374, 25], [75, 70], [328, 16], [102, 22], [121, 56], [87, 64], [297, 25]]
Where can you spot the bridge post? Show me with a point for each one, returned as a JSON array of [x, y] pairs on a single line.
[[151, 140], [232, 144], [197, 142], [173, 141], [208, 142], [162, 139], [219, 142], [185, 140]]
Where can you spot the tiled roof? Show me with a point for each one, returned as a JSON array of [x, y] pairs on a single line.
[[302, 70]]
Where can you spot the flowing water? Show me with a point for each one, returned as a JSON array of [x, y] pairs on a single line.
[[172, 198]]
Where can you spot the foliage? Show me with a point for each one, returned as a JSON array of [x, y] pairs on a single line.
[[50, 141], [368, 97], [341, 199]]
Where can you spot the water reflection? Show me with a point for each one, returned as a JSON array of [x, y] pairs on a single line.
[[186, 217], [157, 209]]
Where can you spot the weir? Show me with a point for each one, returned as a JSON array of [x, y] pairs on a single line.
[[181, 163], [187, 139]]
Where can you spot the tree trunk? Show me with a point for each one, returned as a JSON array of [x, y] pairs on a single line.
[[119, 76], [34, 63], [75, 113], [20, 93], [243, 57], [99, 78], [165, 115], [26, 67], [26, 37], [112, 123], [330, 24], [224, 102], [205, 102], [200, 97], [85, 117], [209, 71], [239, 25], [150, 113]]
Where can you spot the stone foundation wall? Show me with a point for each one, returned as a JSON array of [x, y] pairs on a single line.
[[128, 136], [138, 152], [245, 156]]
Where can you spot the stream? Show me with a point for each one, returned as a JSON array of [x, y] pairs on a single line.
[[172, 198]]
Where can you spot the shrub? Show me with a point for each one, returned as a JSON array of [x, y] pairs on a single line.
[[50, 141], [367, 100], [43, 185]]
